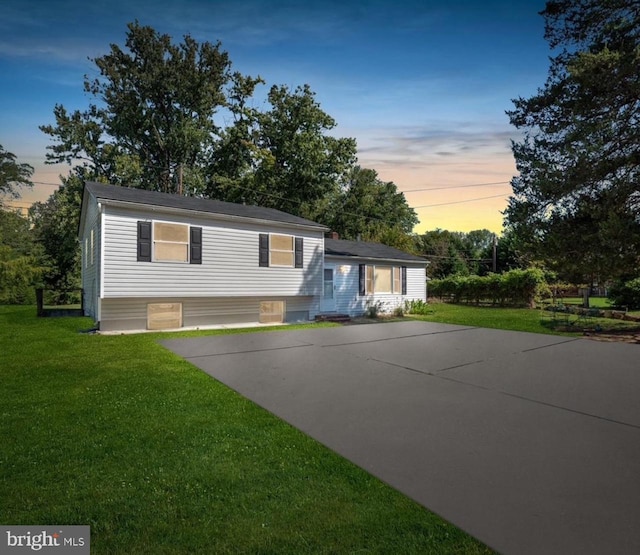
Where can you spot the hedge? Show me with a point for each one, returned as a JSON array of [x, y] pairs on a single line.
[[513, 288]]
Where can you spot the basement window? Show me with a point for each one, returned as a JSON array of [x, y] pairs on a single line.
[[164, 316], [271, 312]]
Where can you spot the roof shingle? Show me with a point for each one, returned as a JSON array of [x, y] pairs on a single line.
[[154, 198], [361, 249]]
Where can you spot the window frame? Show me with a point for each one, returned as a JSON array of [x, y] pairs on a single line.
[[186, 243], [292, 252], [371, 279]]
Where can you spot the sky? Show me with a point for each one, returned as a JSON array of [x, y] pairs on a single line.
[[423, 86]]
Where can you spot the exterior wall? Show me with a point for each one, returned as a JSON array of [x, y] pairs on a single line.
[[229, 261], [91, 261], [347, 282], [131, 314]]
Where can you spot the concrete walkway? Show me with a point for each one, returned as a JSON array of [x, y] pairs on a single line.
[[531, 443]]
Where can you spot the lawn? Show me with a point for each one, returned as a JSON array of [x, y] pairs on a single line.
[[157, 457], [519, 319]]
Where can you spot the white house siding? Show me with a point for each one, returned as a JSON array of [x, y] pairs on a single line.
[[226, 288], [91, 263], [131, 314], [229, 261], [347, 282]]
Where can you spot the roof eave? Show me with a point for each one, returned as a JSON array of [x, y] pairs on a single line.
[[358, 258], [206, 214]]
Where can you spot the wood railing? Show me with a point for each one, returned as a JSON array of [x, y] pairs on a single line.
[[62, 310]]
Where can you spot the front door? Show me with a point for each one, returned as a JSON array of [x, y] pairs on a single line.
[[328, 300]]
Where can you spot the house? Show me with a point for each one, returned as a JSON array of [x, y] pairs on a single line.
[[359, 275], [159, 261]]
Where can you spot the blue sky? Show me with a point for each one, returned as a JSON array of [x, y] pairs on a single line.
[[422, 86]]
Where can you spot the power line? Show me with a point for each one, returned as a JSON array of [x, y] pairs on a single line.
[[457, 186], [458, 201], [46, 183], [299, 203]]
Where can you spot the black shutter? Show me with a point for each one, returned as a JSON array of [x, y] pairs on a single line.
[[144, 241], [362, 269], [299, 253], [263, 250], [404, 280], [195, 245]]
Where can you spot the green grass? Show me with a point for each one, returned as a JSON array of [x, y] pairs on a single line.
[[518, 319], [157, 457], [594, 302]]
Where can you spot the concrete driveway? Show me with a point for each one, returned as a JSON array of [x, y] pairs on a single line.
[[531, 443]]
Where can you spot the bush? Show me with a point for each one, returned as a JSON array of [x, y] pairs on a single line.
[[398, 311], [626, 293], [18, 277], [372, 309], [417, 306], [515, 288]]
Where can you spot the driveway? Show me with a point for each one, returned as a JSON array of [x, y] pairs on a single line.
[[531, 443]]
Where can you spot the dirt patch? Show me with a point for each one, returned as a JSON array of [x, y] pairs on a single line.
[[626, 336]]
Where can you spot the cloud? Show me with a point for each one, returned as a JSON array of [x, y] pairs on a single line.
[[428, 146]]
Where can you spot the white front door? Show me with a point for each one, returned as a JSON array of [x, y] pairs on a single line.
[[328, 295]]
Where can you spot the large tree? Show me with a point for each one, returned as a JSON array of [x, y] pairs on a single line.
[[283, 157], [152, 123], [576, 202], [13, 175]]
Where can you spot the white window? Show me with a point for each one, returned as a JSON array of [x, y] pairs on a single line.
[[281, 251], [397, 279], [383, 279], [170, 242]]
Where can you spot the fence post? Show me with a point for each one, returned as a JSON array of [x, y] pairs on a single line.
[[40, 301]]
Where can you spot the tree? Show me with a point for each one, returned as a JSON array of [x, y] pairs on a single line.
[[12, 175], [297, 165], [576, 202], [20, 271], [445, 251], [55, 227], [154, 119], [373, 210]]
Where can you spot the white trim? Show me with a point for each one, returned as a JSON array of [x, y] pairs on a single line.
[[372, 260]]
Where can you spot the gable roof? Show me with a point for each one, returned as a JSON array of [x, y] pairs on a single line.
[[167, 200], [361, 249]]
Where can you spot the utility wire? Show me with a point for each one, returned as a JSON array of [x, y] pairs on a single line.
[[443, 187], [458, 201], [374, 218]]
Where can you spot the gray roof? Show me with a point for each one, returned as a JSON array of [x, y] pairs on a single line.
[[153, 198], [361, 249]]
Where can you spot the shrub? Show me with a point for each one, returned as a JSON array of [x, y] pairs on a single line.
[[18, 277], [373, 309], [417, 306], [626, 293], [398, 311]]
